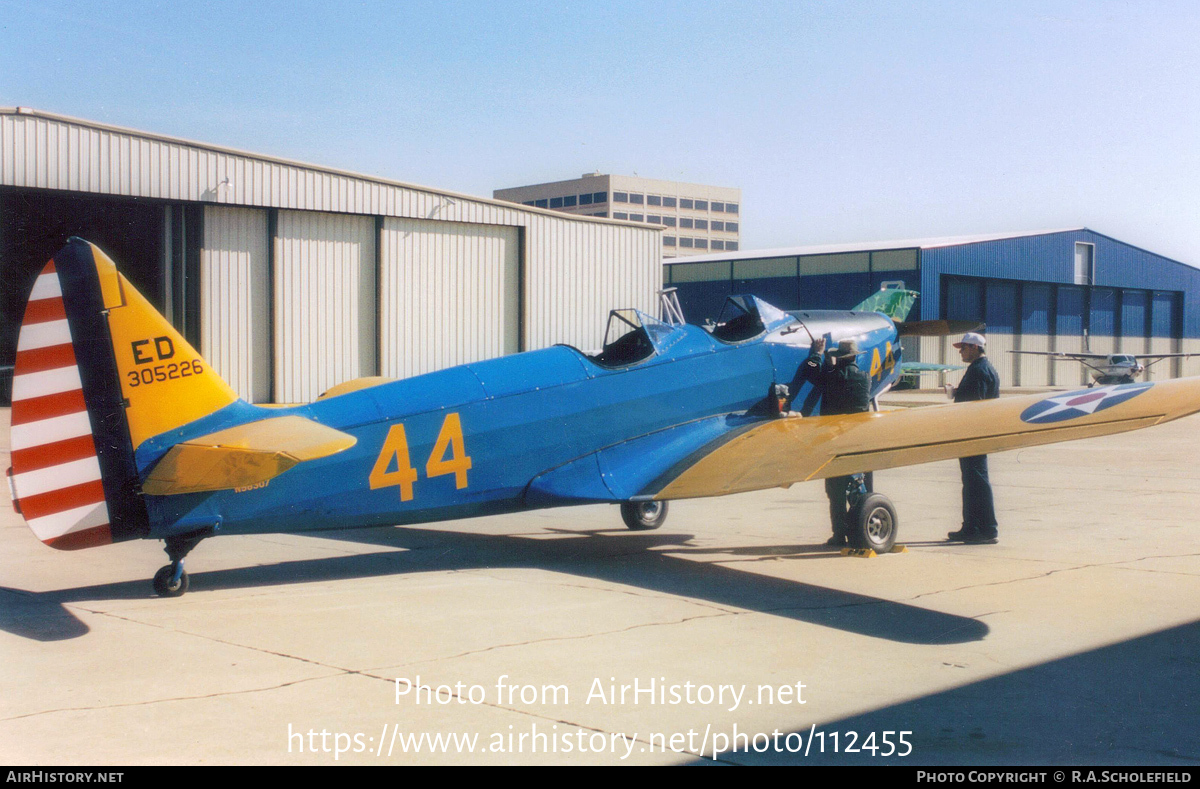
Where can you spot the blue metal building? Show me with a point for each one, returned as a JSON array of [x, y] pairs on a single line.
[[1040, 291]]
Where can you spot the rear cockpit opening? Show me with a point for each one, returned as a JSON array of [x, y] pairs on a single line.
[[631, 337], [628, 338]]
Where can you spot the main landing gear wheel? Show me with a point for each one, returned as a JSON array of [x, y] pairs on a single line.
[[873, 524], [643, 515], [167, 585]]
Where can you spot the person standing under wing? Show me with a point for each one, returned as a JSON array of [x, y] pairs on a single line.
[[845, 389], [979, 382]]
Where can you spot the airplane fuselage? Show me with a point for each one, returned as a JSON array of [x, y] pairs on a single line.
[[1118, 369], [541, 428]]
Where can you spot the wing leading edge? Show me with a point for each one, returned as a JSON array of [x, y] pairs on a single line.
[[780, 452]]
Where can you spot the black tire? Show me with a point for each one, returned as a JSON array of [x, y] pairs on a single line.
[[873, 524], [643, 515], [163, 586]]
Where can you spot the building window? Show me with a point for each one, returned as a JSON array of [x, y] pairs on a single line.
[[701, 205], [620, 215], [654, 220], [556, 202], [718, 206], [668, 202], [620, 197], [730, 245], [668, 241], [685, 203], [701, 243], [540, 203], [528, 202], [569, 201], [685, 222], [702, 224], [731, 208], [685, 242], [731, 227], [637, 199], [718, 245], [718, 225], [601, 213], [637, 218], [600, 197], [653, 200], [1085, 264], [669, 221], [585, 199]]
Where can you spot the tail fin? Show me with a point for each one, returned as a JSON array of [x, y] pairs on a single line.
[[98, 371], [895, 303]]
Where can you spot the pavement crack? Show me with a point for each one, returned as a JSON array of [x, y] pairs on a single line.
[[1114, 564], [339, 670], [579, 637], [197, 697]]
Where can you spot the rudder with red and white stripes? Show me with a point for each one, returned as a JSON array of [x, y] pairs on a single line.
[[55, 467]]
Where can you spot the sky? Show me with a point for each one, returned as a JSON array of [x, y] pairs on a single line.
[[839, 121]]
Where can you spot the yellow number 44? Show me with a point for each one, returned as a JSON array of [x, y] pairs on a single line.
[[395, 446]]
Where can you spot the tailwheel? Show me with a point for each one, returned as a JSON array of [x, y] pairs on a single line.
[[873, 524], [171, 580], [643, 515], [167, 583]]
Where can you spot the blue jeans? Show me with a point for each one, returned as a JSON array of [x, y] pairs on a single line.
[[979, 511]]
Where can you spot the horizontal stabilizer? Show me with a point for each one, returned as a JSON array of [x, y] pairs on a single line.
[[242, 456], [356, 385], [929, 367], [938, 328]]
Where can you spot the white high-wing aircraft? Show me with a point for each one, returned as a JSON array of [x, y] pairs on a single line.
[[1111, 368]]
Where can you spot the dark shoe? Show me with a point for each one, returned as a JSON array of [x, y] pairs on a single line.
[[962, 535], [982, 537], [836, 541]]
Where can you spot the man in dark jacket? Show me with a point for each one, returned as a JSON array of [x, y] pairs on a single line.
[[979, 382], [845, 389]]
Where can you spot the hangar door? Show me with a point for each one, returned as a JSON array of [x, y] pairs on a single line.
[[235, 328], [324, 302], [449, 293]]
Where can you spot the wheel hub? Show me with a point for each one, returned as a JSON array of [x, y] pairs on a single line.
[[879, 524]]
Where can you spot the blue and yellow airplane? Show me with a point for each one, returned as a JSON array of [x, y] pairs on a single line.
[[120, 430]]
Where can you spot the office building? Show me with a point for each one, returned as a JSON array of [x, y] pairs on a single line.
[[696, 219]]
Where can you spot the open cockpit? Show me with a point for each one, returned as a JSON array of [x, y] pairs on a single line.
[[743, 318], [631, 336]]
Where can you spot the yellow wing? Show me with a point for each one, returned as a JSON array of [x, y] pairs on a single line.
[[243, 455], [783, 451]]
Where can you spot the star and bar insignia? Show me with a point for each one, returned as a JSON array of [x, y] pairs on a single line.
[[1081, 402]]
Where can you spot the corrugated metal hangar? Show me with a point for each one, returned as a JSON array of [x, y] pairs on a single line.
[[291, 278], [1036, 291]]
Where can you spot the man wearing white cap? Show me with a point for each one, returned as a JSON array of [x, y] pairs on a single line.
[[979, 382]]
